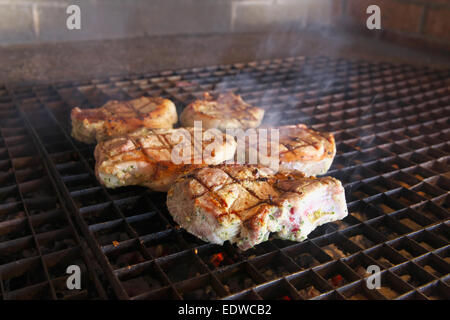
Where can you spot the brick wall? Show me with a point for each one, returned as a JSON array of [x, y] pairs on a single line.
[[415, 22]]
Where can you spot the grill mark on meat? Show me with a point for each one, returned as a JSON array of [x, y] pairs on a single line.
[[170, 146], [116, 118], [220, 200], [294, 191], [139, 147], [239, 183], [191, 133], [143, 107], [217, 197], [293, 142], [289, 148], [137, 112], [106, 114], [300, 148], [239, 213], [238, 106], [163, 140], [256, 216], [234, 106], [148, 146], [297, 139], [222, 111]]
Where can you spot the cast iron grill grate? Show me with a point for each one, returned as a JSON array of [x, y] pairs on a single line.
[[391, 124], [38, 240]]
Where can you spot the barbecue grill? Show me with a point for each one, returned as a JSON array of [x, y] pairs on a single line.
[[391, 125]]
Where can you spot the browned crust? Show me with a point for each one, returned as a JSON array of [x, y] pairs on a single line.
[[123, 110], [229, 105], [281, 182], [130, 148], [163, 167], [125, 116], [304, 144]]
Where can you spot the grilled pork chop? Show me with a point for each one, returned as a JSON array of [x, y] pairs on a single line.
[[299, 148], [155, 157], [244, 204], [117, 118], [226, 111]]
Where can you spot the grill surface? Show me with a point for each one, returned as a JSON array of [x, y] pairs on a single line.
[[38, 240], [391, 124]]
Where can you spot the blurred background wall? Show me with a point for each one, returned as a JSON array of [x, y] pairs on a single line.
[[420, 23]]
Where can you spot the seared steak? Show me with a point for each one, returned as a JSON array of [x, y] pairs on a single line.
[[155, 157], [117, 118], [244, 204], [226, 111], [299, 148]]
